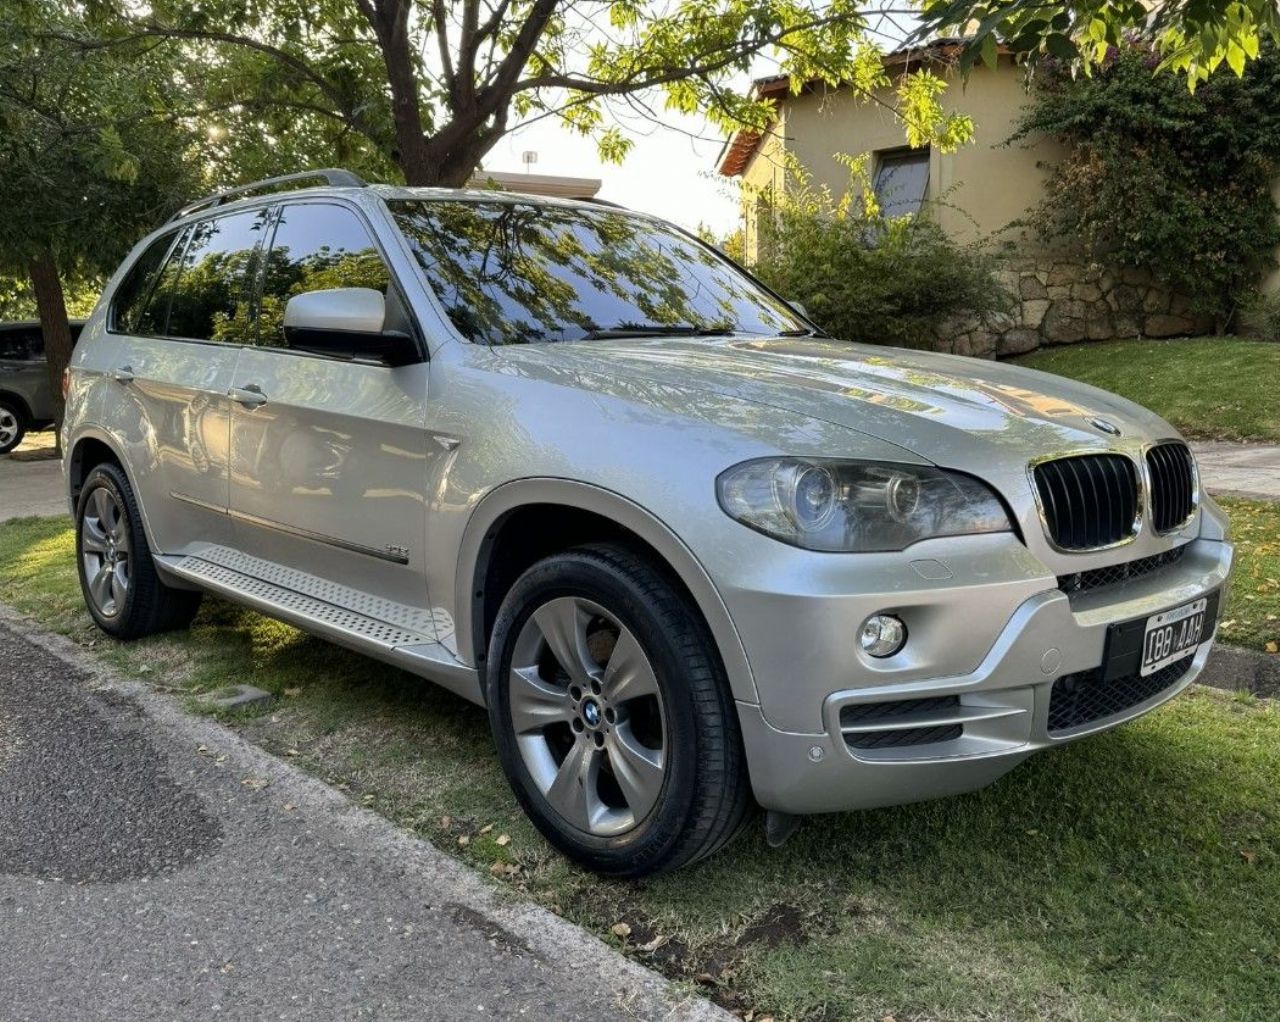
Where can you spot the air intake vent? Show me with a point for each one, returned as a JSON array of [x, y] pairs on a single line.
[[1089, 501], [1173, 485]]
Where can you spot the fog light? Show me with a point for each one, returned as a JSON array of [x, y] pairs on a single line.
[[882, 635]]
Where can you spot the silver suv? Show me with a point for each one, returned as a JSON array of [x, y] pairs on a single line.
[[576, 466]]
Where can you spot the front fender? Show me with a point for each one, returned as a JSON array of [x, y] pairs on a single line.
[[626, 513]]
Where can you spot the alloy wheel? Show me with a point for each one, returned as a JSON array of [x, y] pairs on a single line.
[[8, 427], [104, 549], [588, 717]]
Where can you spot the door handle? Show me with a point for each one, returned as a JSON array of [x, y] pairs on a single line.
[[122, 374], [250, 395]]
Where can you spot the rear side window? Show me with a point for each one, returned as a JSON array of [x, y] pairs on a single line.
[[212, 295], [131, 296], [317, 247], [25, 344]]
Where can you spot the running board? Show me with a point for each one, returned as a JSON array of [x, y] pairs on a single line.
[[405, 647]]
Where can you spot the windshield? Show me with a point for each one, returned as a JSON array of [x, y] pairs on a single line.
[[518, 273]]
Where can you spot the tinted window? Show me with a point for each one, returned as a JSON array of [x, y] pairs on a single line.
[[901, 182], [317, 247], [23, 344], [212, 298], [131, 296], [155, 312], [514, 272]]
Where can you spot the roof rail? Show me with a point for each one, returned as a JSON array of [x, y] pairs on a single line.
[[331, 176]]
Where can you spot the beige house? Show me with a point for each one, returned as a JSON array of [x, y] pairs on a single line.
[[976, 194]]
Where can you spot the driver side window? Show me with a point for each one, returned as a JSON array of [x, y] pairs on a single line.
[[316, 247]]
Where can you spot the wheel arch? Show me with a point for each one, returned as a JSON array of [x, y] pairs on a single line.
[[89, 450], [567, 513], [24, 408]]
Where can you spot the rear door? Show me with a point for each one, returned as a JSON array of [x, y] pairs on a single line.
[[182, 325], [329, 457]]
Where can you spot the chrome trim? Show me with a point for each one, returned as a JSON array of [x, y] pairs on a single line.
[[293, 530], [197, 502], [1195, 483], [1140, 478]]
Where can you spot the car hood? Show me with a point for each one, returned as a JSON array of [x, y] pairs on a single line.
[[971, 414]]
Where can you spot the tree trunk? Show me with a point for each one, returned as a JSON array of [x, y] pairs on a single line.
[[55, 327]]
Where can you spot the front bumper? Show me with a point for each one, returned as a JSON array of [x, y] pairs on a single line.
[[986, 717]]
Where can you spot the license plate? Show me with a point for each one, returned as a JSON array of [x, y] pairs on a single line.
[[1172, 635]]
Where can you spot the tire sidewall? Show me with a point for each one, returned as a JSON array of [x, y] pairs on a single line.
[[21, 420], [104, 477], [579, 573]]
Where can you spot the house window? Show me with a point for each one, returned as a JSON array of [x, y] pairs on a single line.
[[901, 181]]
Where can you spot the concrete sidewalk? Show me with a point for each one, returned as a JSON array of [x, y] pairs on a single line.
[[154, 866], [1239, 470], [31, 479]]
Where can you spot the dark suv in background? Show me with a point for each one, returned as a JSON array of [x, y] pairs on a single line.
[[26, 400]]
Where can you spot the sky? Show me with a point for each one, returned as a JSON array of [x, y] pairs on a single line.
[[669, 172]]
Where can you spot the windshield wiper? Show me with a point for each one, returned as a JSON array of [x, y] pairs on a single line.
[[802, 331], [656, 330]]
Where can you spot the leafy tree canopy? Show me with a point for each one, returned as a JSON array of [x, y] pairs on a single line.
[[1194, 37], [431, 86]]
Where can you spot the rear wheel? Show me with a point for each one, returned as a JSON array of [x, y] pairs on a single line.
[[125, 596], [13, 426], [612, 715]]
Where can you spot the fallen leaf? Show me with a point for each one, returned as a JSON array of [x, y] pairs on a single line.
[[1249, 855], [292, 752], [653, 945], [621, 930], [504, 839], [1273, 647], [255, 783], [706, 979], [486, 828], [464, 840], [296, 690], [446, 822], [368, 799]]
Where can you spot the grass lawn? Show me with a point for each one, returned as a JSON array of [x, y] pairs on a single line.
[[1211, 388], [1134, 876]]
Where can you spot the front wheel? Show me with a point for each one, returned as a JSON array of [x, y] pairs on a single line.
[[13, 426], [125, 596], [612, 715]]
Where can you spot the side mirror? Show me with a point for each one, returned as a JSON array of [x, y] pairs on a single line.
[[800, 309], [347, 323]]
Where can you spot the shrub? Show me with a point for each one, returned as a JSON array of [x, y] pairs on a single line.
[[866, 277], [1158, 177], [1262, 316]]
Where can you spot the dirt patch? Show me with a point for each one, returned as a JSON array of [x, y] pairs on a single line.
[[464, 915]]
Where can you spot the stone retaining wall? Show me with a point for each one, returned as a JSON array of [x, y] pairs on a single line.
[[1062, 302]]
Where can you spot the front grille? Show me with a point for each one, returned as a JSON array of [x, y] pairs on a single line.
[[911, 711], [1173, 485], [1088, 501], [1079, 699], [1114, 574]]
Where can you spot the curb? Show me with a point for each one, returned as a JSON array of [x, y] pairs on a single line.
[[642, 993], [1236, 669]]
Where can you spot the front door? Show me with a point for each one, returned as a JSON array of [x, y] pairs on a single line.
[[329, 457]]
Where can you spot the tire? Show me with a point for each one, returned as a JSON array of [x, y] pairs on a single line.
[[628, 758], [125, 596], [13, 425]]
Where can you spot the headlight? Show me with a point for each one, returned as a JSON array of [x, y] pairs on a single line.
[[822, 504]]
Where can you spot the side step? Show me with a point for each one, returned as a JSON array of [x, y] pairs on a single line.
[[310, 612]]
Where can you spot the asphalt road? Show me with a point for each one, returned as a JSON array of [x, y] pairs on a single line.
[[154, 866]]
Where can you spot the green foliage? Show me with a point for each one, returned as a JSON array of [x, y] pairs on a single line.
[[1263, 317], [86, 166], [863, 276], [1192, 37], [430, 88], [18, 302], [1165, 179]]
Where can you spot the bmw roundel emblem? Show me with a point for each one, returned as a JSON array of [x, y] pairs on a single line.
[[1103, 426]]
